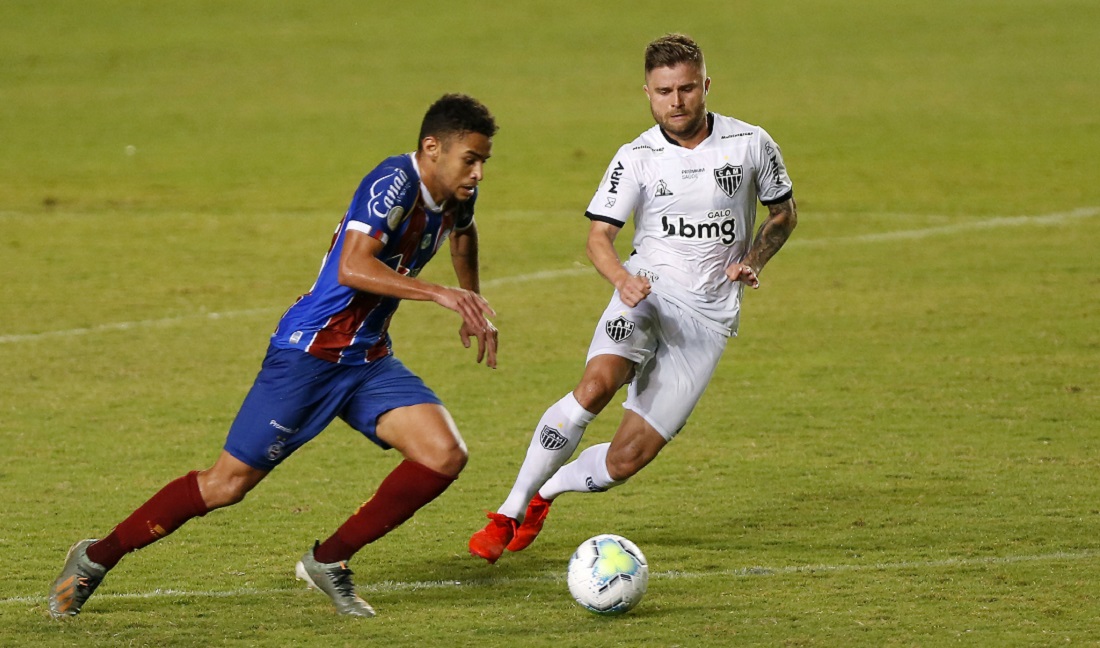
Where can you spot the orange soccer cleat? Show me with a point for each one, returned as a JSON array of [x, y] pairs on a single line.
[[532, 523], [489, 543]]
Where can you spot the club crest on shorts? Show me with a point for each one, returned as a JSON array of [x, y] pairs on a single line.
[[551, 439], [729, 178], [619, 328], [275, 450]]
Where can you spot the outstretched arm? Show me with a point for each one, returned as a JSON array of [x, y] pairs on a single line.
[[361, 269], [601, 251], [782, 219]]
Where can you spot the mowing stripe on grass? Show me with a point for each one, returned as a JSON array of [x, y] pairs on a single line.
[[1056, 218], [545, 577]]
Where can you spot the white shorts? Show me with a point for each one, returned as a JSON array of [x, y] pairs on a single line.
[[675, 355]]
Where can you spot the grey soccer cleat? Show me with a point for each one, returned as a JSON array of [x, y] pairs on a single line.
[[333, 579], [79, 578]]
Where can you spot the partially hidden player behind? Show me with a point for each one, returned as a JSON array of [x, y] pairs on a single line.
[[692, 182], [331, 356]]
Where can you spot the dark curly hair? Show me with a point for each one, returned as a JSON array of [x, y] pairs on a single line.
[[455, 114]]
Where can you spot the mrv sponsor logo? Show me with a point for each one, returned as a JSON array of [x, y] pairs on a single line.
[[616, 178]]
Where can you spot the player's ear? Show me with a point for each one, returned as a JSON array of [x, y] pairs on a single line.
[[430, 146]]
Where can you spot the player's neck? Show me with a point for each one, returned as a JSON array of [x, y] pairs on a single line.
[[426, 168]]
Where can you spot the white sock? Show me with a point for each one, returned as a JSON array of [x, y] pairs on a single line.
[[556, 437], [587, 474]]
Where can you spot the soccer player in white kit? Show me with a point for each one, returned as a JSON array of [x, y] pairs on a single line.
[[692, 182]]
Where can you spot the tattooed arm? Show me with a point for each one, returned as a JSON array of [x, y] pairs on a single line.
[[782, 219]]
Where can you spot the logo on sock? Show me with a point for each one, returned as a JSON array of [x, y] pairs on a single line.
[[551, 439], [592, 487], [619, 328]]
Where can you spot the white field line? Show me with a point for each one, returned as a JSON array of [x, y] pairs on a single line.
[[1056, 218], [741, 572]]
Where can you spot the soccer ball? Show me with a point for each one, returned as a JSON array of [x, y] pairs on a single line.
[[608, 574]]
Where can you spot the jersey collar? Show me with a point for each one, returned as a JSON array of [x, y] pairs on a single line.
[[424, 193], [710, 130]]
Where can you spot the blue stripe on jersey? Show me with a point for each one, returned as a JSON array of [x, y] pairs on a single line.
[[344, 325]]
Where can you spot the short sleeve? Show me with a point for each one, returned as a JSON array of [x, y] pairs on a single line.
[[618, 193], [773, 185], [382, 201]]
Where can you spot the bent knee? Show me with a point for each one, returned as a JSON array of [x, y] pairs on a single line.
[[447, 459], [219, 493], [595, 392], [456, 459]]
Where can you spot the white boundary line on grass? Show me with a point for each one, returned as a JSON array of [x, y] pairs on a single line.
[[742, 572], [1055, 218]]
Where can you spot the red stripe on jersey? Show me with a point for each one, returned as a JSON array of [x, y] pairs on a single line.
[[340, 329], [410, 239]]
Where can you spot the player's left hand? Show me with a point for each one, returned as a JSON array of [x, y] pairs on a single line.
[[743, 273], [486, 342]]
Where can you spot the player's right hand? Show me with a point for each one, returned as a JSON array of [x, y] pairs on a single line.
[[475, 311], [633, 289], [487, 340]]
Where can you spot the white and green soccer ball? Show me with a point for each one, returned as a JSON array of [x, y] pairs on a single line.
[[608, 574]]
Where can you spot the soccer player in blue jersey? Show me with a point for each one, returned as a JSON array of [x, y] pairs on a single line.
[[331, 356]]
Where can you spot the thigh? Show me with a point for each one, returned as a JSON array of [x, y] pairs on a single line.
[[295, 396], [665, 390], [389, 386]]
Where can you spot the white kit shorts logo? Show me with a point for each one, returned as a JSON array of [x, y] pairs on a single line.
[[619, 328]]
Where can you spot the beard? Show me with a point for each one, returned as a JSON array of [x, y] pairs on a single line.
[[684, 130]]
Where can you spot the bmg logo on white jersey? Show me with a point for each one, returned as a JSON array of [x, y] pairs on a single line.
[[726, 230]]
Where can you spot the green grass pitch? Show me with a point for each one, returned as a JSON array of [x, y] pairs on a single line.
[[902, 448]]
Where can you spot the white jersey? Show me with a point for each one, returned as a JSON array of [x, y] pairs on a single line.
[[694, 211]]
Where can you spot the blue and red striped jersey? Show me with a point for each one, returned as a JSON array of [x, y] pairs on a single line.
[[344, 325]]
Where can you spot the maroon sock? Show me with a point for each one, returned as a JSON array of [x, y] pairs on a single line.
[[165, 512], [410, 486]]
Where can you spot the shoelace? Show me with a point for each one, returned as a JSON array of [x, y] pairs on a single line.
[[341, 580]]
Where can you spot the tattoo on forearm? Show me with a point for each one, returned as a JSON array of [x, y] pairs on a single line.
[[782, 219]]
